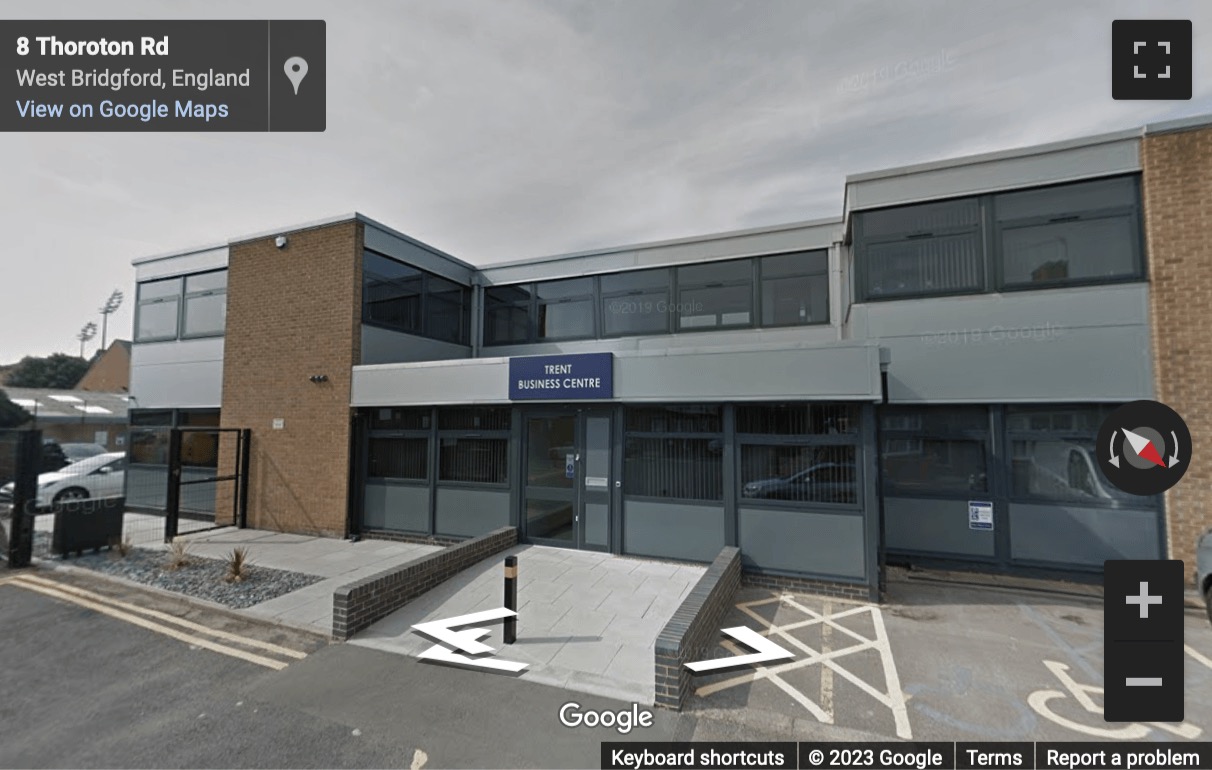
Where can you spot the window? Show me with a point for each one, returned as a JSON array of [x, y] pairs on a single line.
[[506, 314], [674, 452], [401, 297], [800, 453], [473, 445], [1085, 232], [205, 304], [400, 418], [1077, 233], [795, 288], [149, 436], [178, 308], [398, 458], [1053, 457], [935, 450], [635, 302], [157, 311], [926, 249], [565, 309], [714, 295], [805, 474], [200, 448]]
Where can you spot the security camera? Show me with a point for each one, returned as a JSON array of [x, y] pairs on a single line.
[[280, 241]]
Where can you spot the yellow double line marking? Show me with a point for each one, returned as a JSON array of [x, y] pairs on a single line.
[[139, 616]]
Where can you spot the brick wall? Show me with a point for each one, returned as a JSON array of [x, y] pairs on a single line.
[[691, 634], [1177, 185], [293, 313], [358, 605], [859, 592]]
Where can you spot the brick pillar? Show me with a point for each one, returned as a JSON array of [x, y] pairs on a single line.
[[293, 313], [1177, 185]]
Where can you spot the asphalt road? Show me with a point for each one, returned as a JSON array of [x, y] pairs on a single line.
[[83, 689]]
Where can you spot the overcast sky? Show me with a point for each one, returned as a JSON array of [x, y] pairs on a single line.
[[506, 129]]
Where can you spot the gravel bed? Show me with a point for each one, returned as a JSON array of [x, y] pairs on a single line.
[[201, 578]]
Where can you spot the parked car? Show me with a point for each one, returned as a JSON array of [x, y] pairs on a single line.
[[822, 483], [77, 452], [1203, 570], [95, 477], [53, 459]]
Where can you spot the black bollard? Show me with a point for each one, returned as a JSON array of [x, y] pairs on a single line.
[[511, 598]]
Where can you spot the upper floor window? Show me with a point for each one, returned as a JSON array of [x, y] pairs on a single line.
[[715, 294], [401, 297], [777, 290], [182, 307], [1071, 234], [1075, 233]]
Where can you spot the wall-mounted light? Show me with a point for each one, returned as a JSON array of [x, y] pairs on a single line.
[[280, 241], [318, 378]]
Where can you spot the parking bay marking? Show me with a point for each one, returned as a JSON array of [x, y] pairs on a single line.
[[107, 608], [893, 699]]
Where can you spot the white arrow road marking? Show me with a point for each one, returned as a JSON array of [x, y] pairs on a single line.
[[766, 650], [466, 640]]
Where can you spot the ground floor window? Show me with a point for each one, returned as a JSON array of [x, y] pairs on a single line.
[[674, 452]]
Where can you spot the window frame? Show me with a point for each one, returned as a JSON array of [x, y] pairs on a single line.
[[426, 322], [1131, 212], [988, 232], [862, 245], [140, 303], [493, 434], [187, 295], [679, 286], [605, 298], [719, 435], [760, 285], [852, 439], [538, 303], [984, 436]]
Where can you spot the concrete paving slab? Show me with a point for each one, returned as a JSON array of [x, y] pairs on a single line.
[[337, 561], [587, 621]]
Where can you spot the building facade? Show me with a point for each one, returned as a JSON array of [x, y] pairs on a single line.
[[918, 381]]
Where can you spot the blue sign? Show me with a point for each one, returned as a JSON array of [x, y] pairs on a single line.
[[563, 377]]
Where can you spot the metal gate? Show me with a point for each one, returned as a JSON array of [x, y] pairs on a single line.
[[226, 487], [52, 504]]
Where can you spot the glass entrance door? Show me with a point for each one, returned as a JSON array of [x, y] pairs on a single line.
[[566, 500]]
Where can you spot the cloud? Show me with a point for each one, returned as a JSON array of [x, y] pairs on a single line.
[[505, 129]]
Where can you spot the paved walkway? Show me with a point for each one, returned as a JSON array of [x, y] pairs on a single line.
[[586, 621], [337, 561]]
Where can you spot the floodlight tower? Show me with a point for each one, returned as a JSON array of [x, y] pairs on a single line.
[[111, 305]]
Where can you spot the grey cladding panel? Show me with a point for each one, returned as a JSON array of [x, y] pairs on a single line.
[[1082, 536], [673, 530], [397, 507], [819, 544], [1065, 345], [471, 512], [933, 526], [1080, 162], [384, 346]]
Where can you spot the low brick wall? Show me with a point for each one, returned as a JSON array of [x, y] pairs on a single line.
[[859, 592], [357, 605], [404, 537], [691, 634]]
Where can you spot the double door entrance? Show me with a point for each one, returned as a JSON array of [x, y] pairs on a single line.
[[568, 485]]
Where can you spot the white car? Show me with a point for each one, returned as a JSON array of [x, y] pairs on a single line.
[[95, 477]]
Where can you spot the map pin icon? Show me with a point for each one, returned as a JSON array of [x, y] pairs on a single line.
[[296, 70]]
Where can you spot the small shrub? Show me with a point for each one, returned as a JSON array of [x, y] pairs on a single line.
[[178, 554], [237, 565], [120, 549]]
